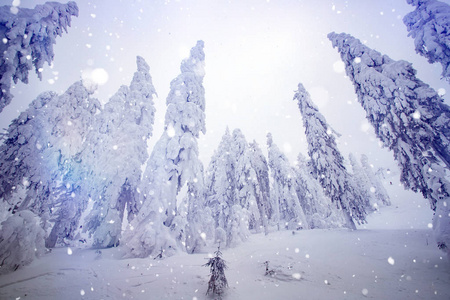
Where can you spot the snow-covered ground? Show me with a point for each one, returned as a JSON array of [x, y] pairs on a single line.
[[394, 256]]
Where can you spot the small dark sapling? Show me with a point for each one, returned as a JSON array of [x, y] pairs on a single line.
[[218, 282]]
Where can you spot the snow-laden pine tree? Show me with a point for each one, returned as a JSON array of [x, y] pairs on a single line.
[[376, 185], [319, 210], [238, 190], [40, 148], [363, 183], [222, 194], [28, 37], [252, 183], [327, 162], [287, 210], [261, 185], [429, 26], [409, 118], [217, 282], [115, 151], [173, 163]]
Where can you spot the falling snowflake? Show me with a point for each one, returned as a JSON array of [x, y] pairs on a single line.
[[391, 261], [339, 67], [416, 115]]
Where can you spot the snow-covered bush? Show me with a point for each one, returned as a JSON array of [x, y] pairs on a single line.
[[21, 241], [29, 35]]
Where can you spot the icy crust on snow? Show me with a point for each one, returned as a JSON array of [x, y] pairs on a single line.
[[28, 38], [173, 163], [327, 162], [429, 26], [115, 150], [409, 117]]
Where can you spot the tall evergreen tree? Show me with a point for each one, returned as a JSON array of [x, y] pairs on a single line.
[[380, 192], [115, 152], [288, 211], [320, 211], [429, 26], [252, 182], [363, 183], [40, 148], [409, 118], [28, 38], [260, 184], [174, 160], [221, 183], [327, 162]]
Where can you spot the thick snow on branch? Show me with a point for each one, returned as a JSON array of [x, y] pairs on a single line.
[[429, 26], [27, 41]]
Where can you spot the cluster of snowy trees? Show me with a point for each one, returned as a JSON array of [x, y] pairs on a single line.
[[70, 166], [409, 117]]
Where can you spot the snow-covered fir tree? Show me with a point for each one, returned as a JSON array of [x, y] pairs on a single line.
[[40, 150], [363, 183], [260, 184], [253, 194], [28, 38], [380, 193], [327, 162], [238, 190], [218, 281], [429, 26], [115, 152], [230, 217], [409, 118], [287, 210], [173, 163], [319, 210]]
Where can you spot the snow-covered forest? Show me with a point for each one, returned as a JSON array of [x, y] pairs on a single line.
[[344, 164]]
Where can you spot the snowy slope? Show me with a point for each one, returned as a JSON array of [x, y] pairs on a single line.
[[392, 257]]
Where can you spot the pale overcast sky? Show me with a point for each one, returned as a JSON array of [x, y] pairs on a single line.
[[256, 54]]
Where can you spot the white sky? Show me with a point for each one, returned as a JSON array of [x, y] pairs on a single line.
[[256, 54]]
